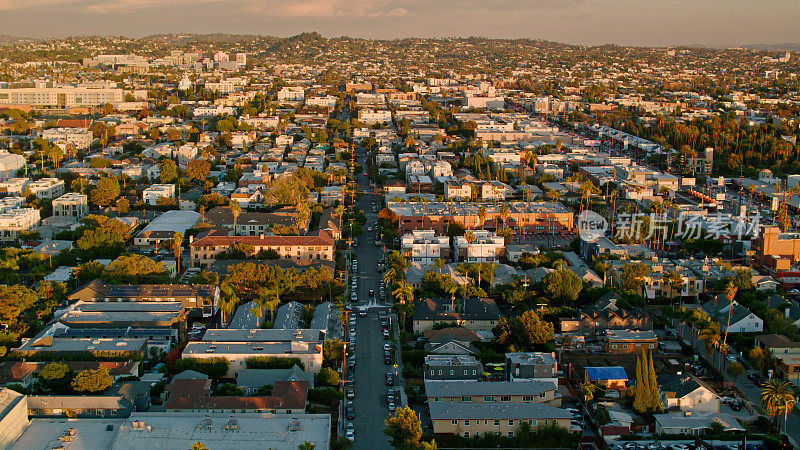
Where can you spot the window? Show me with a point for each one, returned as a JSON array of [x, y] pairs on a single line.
[[437, 399], [651, 346], [466, 423], [496, 423], [510, 434], [474, 372], [542, 394], [625, 346], [613, 345], [433, 371], [454, 422], [488, 398], [511, 422], [466, 399], [532, 421], [527, 398], [451, 371], [505, 398], [466, 434]]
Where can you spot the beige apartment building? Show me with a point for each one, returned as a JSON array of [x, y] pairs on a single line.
[[476, 419], [316, 246]]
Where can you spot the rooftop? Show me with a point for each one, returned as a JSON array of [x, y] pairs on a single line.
[[458, 410]]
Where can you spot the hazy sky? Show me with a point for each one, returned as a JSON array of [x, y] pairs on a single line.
[[638, 22]]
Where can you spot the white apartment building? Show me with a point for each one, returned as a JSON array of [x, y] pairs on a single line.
[[289, 94], [493, 190], [369, 99], [328, 101], [61, 96], [47, 188], [10, 164], [17, 221], [457, 190], [14, 186], [424, 247], [472, 101], [441, 169], [373, 116], [71, 204], [212, 111], [187, 152], [65, 137], [156, 191], [487, 247], [11, 203]]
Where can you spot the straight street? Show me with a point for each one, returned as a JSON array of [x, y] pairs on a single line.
[[370, 370]]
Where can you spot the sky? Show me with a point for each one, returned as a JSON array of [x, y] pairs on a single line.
[[623, 22]]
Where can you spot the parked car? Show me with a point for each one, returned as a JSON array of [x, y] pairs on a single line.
[[350, 411], [350, 432]]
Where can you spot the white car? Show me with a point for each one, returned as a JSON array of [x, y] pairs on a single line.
[[350, 432]]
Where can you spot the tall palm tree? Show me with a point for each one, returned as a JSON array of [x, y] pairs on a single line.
[[403, 293], [236, 209], [710, 336], [227, 301], [730, 293], [268, 299], [389, 277], [438, 263], [482, 216], [504, 213], [177, 249], [777, 397]]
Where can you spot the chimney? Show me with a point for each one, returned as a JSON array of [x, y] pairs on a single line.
[[786, 312], [261, 236], [191, 239]]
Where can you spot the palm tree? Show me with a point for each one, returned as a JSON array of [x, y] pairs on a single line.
[[438, 263], [389, 277], [268, 299], [236, 209], [340, 212], [730, 292], [777, 397], [710, 335], [504, 213], [177, 249], [403, 293], [227, 301], [482, 216]]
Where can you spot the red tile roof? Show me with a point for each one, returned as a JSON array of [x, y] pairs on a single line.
[[74, 123], [319, 237], [196, 394]]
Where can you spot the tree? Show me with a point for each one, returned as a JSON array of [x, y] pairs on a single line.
[[633, 275], [55, 377], [645, 390], [177, 249], [735, 370], [777, 398], [92, 381], [563, 285], [269, 300], [710, 335], [198, 446], [523, 330], [328, 377], [227, 301], [134, 269], [403, 293], [730, 293], [674, 280], [756, 356], [306, 446], [168, 171], [123, 206], [404, 428], [106, 191], [236, 209], [198, 169]]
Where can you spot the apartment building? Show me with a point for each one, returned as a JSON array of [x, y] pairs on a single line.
[[200, 298], [493, 392], [528, 366], [46, 188], [157, 191], [61, 96], [424, 247], [374, 116], [16, 221], [477, 419], [452, 368], [290, 94], [237, 353], [69, 137], [493, 190], [630, 341], [486, 246], [315, 246], [457, 190], [71, 204], [328, 101], [776, 251], [524, 217], [195, 395]]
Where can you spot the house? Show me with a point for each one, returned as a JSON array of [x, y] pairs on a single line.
[[46, 188], [452, 368], [531, 366], [687, 393], [152, 194], [789, 308], [164, 227], [612, 377], [199, 298], [249, 380], [777, 344], [694, 424], [477, 314], [493, 190], [476, 419], [630, 341], [457, 190], [603, 315], [485, 246], [451, 341], [493, 392], [424, 247], [82, 406], [741, 319], [71, 204]]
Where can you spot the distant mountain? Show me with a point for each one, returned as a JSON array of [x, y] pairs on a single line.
[[792, 47], [186, 38], [6, 39]]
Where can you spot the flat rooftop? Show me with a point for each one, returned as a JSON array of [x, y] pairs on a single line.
[[90, 434], [471, 208]]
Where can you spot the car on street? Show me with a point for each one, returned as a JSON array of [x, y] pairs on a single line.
[[387, 347], [351, 393], [389, 379], [350, 411], [372, 293], [392, 408], [350, 432], [362, 312]]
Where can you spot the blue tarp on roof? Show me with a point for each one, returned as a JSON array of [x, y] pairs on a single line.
[[606, 373]]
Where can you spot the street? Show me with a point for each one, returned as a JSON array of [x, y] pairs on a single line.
[[370, 369]]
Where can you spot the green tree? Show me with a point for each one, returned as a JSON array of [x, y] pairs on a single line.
[[168, 171], [123, 206], [177, 249], [735, 370], [403, 293], [633, 275], [404, 428], [198, 169], [563, 285], [198, 446], [327, 377], [55, 377], [777, 398], [524, 330], [306, 446], [92, 381], [227, 301], [674, 280], [106, 191]]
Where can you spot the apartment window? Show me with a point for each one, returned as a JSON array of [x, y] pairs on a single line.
[[532, 421], [511, 422], [432, 372], [440, 372], [474, 372], [625, 346], [454, 422], [466, 423], [543, 395], [466, 399], [527, 398], [496, 423], [613, 345], [510, 434], [505, 398], [437, 399], [651, 346], [466, 434], [488, 398], [451, 371]]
